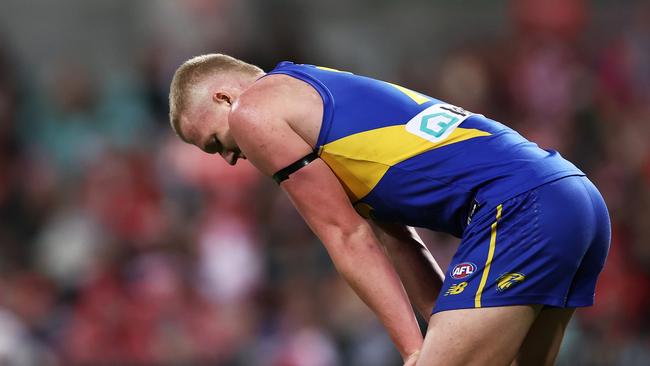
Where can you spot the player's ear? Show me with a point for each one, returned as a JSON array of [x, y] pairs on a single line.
[[221, 97]]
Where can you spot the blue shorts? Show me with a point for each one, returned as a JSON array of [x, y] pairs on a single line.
[[545, 246]]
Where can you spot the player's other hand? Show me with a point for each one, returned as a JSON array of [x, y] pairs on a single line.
[[412, 359]]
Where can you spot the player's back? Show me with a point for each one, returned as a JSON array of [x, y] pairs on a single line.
[[406, 157]]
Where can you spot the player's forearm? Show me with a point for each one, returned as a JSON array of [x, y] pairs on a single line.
[[419, 273], [418, 270], [360, 260]]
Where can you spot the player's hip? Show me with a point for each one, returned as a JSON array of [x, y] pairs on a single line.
[[532, 248]]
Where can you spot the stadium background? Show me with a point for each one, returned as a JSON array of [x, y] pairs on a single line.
[[121, 246]]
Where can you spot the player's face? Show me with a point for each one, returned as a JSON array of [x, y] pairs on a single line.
[[206, 126]]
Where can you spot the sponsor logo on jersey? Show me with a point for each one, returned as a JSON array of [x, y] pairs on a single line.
[[437, 122], [507, 280], [455, 289], [463, 270]]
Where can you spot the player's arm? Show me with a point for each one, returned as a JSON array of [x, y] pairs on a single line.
[[418, 270], [270, 144]]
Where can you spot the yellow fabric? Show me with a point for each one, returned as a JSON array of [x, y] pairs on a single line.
[[331, 69], [488, 262], [417, 97], [362, 159]]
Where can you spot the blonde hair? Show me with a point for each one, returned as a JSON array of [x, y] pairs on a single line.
[[194, 70]]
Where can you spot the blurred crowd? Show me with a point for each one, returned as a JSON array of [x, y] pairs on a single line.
[[120, 245]]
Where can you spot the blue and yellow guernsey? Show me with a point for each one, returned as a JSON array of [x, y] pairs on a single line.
[[406, 157]]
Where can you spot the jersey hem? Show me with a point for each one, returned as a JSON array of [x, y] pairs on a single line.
[[580, 302], [489, 203], [505, 301]]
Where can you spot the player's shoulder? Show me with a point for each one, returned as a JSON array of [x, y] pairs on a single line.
[[273, 98], [259, 108], [273, 87], [262, 99]]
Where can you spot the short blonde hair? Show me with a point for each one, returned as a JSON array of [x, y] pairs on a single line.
[[193, 71]]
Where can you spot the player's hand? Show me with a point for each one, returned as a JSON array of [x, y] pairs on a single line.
[[412, 359]]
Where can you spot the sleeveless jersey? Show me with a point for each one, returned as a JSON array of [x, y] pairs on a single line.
[[405, 157]]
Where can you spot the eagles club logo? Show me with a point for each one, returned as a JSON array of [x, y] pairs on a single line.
[[507, 280], [463, 270]]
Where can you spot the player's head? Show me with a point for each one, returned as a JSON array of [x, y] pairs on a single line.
[[201, 96]]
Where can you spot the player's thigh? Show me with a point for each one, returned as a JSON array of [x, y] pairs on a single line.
[[542, 343], [480, 336]]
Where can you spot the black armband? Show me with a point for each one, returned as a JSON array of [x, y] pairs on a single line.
[[283, 174]]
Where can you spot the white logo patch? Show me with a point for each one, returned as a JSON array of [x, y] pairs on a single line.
[[437, 122]]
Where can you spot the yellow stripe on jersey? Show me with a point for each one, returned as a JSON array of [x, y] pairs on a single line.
[[331, 69], [417, 97], [361, 160], [488, 262]]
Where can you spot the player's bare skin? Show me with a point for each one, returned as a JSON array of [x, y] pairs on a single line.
[[273, 122], [257, 118], [261, 123]]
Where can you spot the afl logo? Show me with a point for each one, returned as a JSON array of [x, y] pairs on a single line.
[[463, 270]]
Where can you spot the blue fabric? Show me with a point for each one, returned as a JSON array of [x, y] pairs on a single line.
[[551, 244], [433, 189]]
